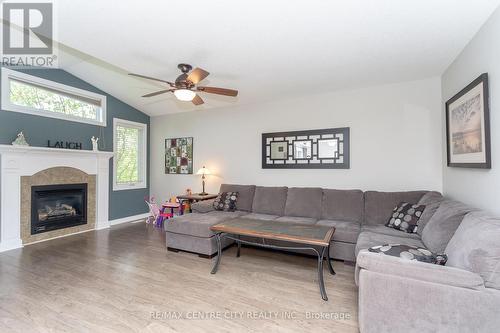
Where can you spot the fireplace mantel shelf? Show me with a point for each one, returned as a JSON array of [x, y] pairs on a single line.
[[30, 149]]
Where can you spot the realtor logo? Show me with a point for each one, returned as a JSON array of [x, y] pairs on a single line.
[[28, 34]]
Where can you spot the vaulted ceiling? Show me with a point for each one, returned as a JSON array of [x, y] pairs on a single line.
[[265, 49]]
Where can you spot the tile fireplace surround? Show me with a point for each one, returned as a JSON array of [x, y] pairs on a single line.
[[22, 167]]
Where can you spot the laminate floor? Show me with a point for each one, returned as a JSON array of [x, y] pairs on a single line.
[[123, 280]]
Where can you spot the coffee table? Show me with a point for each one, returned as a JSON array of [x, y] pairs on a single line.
[[311, 237]]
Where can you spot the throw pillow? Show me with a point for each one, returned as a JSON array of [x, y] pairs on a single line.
[[431, 200], [443, 224], [405, 217], [226, 201], [204, 206], [410, 253]]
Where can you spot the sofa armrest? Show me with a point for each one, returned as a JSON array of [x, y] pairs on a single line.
[[204, 206], [416, 270]]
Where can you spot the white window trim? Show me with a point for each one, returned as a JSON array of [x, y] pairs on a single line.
[[7, 105], [143, 158]]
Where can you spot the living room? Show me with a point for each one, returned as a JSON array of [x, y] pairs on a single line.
[[190, 166]]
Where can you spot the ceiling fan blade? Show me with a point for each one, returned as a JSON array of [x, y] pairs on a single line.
[[158, 93], [197, 100], [219, 91], [197, 75], [152, 78]]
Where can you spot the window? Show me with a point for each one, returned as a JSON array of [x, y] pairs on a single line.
[[130, 139], [33, 95]]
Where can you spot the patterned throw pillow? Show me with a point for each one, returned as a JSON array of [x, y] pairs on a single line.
[[226, 201], [410, 253], [405, 217]]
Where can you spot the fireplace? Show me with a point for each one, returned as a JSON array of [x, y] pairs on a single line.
[[58, 206]]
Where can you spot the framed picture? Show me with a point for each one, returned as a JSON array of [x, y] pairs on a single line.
[[468, 126], [179, 156]]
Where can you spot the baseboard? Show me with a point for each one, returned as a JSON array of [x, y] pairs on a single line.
[[11, 245], [129, 219], [61, 236], [16, 245]]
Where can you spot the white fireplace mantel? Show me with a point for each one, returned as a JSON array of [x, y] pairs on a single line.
[[18, 161]]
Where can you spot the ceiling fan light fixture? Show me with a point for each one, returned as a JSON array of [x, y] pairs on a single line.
[[185, 87], [185, 95]]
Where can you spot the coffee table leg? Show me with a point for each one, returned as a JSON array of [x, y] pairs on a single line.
[[219, 254], [330, 267], [320, 275], [239, 248]]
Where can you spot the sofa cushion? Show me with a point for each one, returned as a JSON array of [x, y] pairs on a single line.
[[368, 239], [296, 219], [305, 202], [226, 201], [269, 200], [342, 205], [443, 224], [407, 252], [431, 201], [475, 246], [257, 216], [198, 224], [345, 231], [405, 217], [379, 205], [382, 229], [204, 206], [245, 195]]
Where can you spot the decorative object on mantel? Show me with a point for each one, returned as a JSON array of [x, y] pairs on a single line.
[[95, 146], [468, 126], [179, 156], [203, 171], [312, 149], [65, 145], [20, 140], [189, 191]]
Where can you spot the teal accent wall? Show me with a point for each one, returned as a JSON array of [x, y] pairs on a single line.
[[38, 130]]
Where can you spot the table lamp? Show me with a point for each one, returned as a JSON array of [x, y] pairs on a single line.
[[203, 171]]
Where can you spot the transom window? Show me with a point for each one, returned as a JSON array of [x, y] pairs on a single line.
[[130, 139], [33, 95]]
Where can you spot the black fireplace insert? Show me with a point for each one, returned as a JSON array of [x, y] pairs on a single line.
[[58, 206]]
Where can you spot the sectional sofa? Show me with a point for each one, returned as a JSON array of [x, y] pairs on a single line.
[[395, 295], [358, 216]]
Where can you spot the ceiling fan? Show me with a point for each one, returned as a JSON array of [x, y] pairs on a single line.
[[185, 87]]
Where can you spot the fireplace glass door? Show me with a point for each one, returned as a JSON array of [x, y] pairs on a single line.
[[58, 206]]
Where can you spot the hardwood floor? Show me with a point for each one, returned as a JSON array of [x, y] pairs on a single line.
[[124, 280]]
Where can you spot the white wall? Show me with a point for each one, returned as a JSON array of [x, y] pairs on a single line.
[[480, 188], [395, 140]]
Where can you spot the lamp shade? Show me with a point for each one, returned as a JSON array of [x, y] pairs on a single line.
[[203, 171]]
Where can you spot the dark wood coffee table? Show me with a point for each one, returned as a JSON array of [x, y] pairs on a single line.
[[301, 237]]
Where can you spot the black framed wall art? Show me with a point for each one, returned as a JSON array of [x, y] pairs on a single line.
[[310, 149], [468, 126]]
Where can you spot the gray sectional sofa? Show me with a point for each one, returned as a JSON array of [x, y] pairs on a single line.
[[356, 215], [395, 295]]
